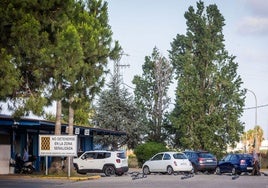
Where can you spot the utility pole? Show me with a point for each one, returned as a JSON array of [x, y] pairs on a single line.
[[117, 65], [256, 146]]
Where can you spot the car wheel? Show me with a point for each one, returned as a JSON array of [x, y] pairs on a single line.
[[76, 167], [169, 170], [28, 170], [218, 171], [233, 171], [77, 170], [109, 170], [146, 170]]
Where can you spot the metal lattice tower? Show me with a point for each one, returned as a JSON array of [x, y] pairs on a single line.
[[117, 66]]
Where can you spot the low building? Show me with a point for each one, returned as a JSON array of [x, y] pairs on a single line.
[[264, 145], [241, 147], [15, 134]]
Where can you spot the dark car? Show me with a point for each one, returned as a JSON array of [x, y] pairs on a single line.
[[202, 160], [235, 164]]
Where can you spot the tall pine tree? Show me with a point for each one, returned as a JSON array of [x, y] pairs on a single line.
[[116, 110]]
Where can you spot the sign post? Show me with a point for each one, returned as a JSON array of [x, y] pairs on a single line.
[[58, 145]]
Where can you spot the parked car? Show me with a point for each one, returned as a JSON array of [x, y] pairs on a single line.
[[167, 162], [107, 162], [202, 160], [235, 164]]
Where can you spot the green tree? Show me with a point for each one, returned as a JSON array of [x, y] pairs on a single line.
[[83, 77], [151, 93], [21, 39], [116, 110], [9, 76], [59, 49], [209, 98]]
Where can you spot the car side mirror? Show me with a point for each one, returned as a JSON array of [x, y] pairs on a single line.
[[83, 157]]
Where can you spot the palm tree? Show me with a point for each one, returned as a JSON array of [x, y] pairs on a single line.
[[250, 139], [259, 136]]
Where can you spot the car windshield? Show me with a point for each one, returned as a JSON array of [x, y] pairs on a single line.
[[179, 156], [121, 155], [247, 155], [206, 155]]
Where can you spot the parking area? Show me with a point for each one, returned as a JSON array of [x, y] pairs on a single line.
[[134, 178], [158, 180], [200, 180]]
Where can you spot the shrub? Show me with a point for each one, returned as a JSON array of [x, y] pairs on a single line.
[[132, 161], [264, 159], [145, 151]]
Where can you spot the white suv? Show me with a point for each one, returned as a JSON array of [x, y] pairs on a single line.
[[107, 162]]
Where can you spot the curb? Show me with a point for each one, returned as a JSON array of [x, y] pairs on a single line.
[[75, 178]]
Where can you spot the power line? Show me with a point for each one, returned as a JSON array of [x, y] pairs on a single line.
[[260, 106], [129, 86]]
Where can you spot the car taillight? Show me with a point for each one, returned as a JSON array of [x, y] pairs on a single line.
[[242, 162], [118, 160], [201, 160], [175, 163]]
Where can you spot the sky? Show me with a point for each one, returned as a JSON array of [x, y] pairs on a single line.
[[141, 25]]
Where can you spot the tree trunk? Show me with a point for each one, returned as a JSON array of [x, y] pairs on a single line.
[[58, 119], [56, 166], [71, 116], [70, 132]]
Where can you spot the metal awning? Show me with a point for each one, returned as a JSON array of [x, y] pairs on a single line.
[[27, 123]]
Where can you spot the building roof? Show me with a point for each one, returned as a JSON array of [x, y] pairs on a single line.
[[9, 122]]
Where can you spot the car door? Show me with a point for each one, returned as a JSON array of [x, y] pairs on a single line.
[[225, 163], [165, 162], [100, 160], [87, 161], [156, 163], [230, 163]]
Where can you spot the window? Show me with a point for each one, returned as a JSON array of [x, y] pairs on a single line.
[[121, 155], [158, 157], [227, 158], [166, 157], [107, 154], [89, 156], [205, 155], [233, 158], [179, 156], [100, 156]]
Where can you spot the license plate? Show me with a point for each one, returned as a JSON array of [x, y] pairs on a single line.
[[249, 168], [209, 160]]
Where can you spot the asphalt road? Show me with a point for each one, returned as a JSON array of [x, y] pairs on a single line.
[[166, 181], [151, 181]]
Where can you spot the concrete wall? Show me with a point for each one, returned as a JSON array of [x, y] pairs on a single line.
[[5, 151]]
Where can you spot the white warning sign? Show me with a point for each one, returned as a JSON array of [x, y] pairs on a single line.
[[57, 145]]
